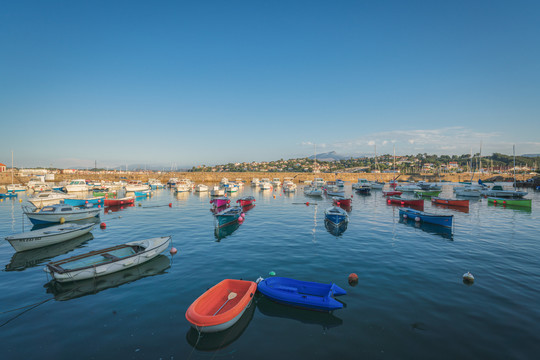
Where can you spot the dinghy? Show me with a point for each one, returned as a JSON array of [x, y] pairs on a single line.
[[107, 261], [420, 216], [221, 306], [246, 200], [47, 236], [304, 294]]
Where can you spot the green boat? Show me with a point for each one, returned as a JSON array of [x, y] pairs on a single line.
[[103, 193], [427, 193], [512, 202]]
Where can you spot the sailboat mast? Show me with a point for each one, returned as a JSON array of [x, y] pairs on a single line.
[[11, 167], [514, 151]]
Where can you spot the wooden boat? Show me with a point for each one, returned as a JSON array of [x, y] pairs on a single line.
[[304, 294], [511, 202], [121, 201], [107, 261], [341, 201], [228, 216], [336, 215], [246, 200], [55, 213], [451, 202], [392, 193], [47, 236], [427, 193], [220, 202], [403, 201], [98, 200], [221, 306], [420, 216]]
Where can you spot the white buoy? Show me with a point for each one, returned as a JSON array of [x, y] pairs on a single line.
[[468, 277], [417, 219]]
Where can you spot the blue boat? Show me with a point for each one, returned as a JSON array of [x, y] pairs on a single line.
[[142, 193], [228, 216], [8, 195], [336, 215], [99, 200], [304, 294], [442, 220]]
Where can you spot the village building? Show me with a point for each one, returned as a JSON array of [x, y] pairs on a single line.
[[2, 167]]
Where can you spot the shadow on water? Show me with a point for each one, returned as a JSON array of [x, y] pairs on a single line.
[[116, 208], [75, 289], [31, 258], [336, 230], [220, 340], [429, 228], [325, 319], [462, 209], [517, 208], [224, 231]]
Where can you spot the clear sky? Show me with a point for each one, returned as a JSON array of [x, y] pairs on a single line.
[[210, 82]]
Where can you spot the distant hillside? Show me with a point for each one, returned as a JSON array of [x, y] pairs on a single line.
[[329, 156], [530, 155]]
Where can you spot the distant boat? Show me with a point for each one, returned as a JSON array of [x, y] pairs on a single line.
[[201, 188], [450, 202], [121, 201], [498, 191], [312, 191], [420, 216], [221, 306], [136, 185], [404, 201], [217, 191], [303, 294], [8, 195], [15, 188], [427, 193], [288, 185], [47, 198], [59, 213], [392, 193], [77, 185], [341, 201], [220, 202], [511, 202], [107, 261], [276, 182], [47, 236]]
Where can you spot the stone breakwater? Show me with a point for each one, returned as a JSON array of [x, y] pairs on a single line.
[[207, 177]]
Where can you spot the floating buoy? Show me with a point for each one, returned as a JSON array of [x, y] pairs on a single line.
[[62, 220], [307, 203], [170, 204], [20, 200], [243, 215], [274, 196], [102, 225], [173, 251], [417, 219], [240, 220], [140, 204], [468, 278], [86, 202], [353, 279], [272, 273]]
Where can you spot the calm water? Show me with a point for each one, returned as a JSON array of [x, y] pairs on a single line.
[[410, 301]]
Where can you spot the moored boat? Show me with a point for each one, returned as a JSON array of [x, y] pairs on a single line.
[[246, 200], [497, 191], [221, 306], [451, 202], [228, 216], [97, 200], [47, 236], [77, 185], [392, 193], [427, 193], [511, 202], [107, 261], [404, 201], [341, 201], [304, 294], [336, 215], [8, 195], [121, 201], [220, 202], [420, 216], [59, 213]]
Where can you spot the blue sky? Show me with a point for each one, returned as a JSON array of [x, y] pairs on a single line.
[[209, 82]]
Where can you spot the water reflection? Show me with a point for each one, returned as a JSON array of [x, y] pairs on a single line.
[[117, 208], [462, 209], [224, 231], [325, 319], [75, 289], [31, 258], [429, 228], [513, 207], [220, 340], [334, 229]]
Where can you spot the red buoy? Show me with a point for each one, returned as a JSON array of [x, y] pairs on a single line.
[[170, 204], [103, 225], [353, 279], [307, 204], [173, 251]]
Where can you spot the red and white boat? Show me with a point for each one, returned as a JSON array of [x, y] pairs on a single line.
[[121, 201], [221, 306], [392, 193], [246, 200], [408, 202], [341, 201], [452, 202]]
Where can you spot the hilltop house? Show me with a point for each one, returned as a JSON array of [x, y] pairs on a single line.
[[2, 167]]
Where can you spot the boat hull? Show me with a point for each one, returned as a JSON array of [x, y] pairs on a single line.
[[37, 218], [511, 202], [82, 202], [442, 220], [48, 236], [450, 202], [119, 202], [213, 312]]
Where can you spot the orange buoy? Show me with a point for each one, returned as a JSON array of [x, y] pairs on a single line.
[[307, 203], [170, 204], [102, 225], [353, 279], [173, 251]]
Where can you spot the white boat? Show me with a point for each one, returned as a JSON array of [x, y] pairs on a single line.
[[47, 198], [47, 236], [498, 191], [265, 184], [201, 188], [107, 261], [376, 185], [77, 185], [217, 191], [136, 185], [255, 182], [155, 184], [318, 182], [334, 190], [468, 192], [16, 188], [360, 183], [276, 182], [407, 187], [289, 186], [313, 191], [182, 187], [38, 185], [59, 213], [232, 188]]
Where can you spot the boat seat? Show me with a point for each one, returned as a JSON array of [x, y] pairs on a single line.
[[109, 256]]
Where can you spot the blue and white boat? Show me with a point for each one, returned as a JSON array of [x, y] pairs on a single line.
[[97, 200], [228, 216], [8, 195], [336, 215], [59, 213], [304, 294], [420, 216]]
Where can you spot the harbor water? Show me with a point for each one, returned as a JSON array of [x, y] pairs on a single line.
[[410, 301]]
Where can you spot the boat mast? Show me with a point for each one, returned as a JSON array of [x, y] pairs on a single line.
[[394, 162], [514, 151], [11, 167]]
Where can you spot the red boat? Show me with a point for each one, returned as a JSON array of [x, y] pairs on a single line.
[[246, 200], [392, 193], [121, 201], [452, 202], [401, 201], [342, 201]]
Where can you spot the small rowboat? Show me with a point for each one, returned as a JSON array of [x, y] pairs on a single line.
[[451, 202], [47, 236], [336, 215], [246, 200], [392, 193], [121, 201], [220, 202], [427, 193], [402, 201], [221, 306], [228, 216], [420, 216], [107, 261], [342, 201], [511, 202], [304, 294], [58, 213], [98, 200]]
